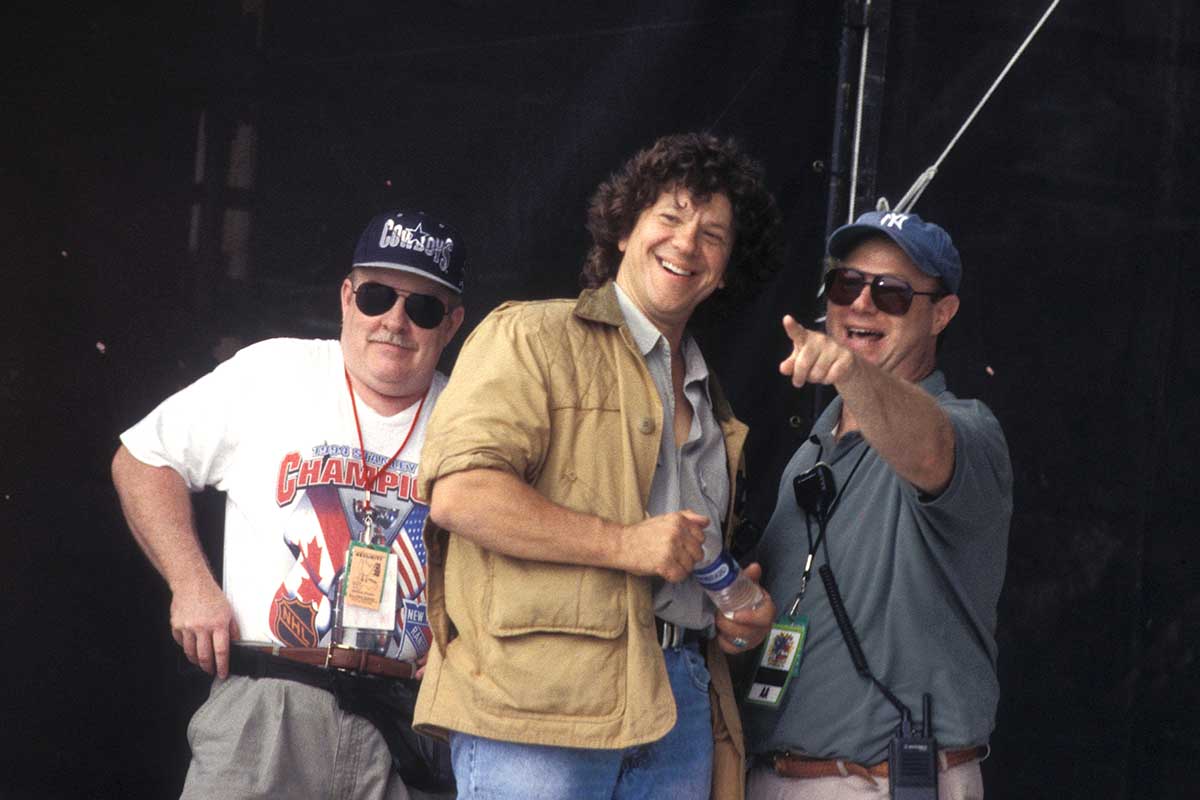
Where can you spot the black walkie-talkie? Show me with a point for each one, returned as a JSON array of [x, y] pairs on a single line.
[[912, 759], [814, 490]]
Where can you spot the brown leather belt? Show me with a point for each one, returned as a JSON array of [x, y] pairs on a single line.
[[347, 659], [793, 765]]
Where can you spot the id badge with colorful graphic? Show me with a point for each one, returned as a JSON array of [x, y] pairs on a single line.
[[778, 661]]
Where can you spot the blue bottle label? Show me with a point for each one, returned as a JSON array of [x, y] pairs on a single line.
[[718, 575]]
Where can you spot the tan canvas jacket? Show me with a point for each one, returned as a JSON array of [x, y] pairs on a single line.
[[557, 393]]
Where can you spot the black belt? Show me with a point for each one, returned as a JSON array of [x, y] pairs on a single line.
[[672, 635]]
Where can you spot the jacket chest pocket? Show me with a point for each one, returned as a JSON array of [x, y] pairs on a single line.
[[531, 596]]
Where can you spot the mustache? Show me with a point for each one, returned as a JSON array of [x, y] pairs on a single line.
[[383, 337]]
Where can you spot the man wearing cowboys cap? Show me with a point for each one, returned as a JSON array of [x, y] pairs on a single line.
[[901, 498], [317, 636]]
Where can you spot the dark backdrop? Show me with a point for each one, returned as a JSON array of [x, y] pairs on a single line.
[[1072, 198]]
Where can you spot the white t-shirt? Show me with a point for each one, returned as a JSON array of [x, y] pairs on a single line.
[[273, 427]]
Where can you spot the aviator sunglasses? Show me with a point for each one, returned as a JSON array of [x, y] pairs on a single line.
[[425, 310], [890, 294]]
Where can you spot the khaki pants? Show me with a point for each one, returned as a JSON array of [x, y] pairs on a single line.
[[963, 782], [275, 738]]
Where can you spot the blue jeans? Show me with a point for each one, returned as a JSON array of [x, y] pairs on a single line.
[[677, 765]]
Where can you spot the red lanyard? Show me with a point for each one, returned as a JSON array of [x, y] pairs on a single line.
[[362, 449]]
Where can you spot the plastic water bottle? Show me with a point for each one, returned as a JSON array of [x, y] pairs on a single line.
[[729, 588]]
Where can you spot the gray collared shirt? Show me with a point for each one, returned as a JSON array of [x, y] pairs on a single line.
[[690, 477], [921, 578]]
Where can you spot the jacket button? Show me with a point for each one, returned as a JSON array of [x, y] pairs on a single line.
[[646, 425]]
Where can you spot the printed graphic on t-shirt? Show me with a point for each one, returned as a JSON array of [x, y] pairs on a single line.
[[326, 491]]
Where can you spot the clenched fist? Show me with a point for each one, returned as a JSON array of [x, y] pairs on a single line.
[[669, 545]]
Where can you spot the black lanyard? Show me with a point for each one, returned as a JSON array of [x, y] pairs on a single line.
[[822, 525]]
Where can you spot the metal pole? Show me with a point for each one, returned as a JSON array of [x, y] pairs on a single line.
[[857, 116]]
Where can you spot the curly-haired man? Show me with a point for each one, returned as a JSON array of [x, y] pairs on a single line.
[[580, 466]]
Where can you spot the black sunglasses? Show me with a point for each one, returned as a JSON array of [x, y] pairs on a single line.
[[890, 294], [425, 310]]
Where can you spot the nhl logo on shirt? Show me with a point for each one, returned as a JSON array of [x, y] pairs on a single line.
[[293, 621]]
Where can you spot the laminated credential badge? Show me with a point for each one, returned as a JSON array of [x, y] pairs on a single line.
[[370, 587], [778, 660]]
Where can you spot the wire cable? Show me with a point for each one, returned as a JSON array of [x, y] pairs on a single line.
[[858, 109], [914, 192]]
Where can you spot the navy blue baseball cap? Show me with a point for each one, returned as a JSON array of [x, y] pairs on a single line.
[[414, 242], [926, 244]]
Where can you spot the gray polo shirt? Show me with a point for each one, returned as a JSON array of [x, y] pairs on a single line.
[[920, 578], [692, 477]]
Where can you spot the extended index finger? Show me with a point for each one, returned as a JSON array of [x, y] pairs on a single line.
[[220, 642], [795, 331], [204, 651]]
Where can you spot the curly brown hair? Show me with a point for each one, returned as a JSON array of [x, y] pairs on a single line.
[[704, 165]]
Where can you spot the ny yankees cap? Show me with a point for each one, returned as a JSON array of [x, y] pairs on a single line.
[[927, 244], [414, 242]]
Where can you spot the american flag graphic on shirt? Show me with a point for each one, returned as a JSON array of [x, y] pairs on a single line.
[[409, 548]]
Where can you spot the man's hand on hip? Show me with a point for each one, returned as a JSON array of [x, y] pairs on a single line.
[[203, 624]]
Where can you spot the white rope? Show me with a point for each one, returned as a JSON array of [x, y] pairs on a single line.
[[910, 197], [858, 109]]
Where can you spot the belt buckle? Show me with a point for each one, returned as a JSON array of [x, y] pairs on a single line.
[[329, 655], [672, 635]]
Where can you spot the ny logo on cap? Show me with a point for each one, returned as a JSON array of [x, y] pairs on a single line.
[[893, 220]]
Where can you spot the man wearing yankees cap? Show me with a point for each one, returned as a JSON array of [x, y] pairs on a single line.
[[896, 512], [316, 637]]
